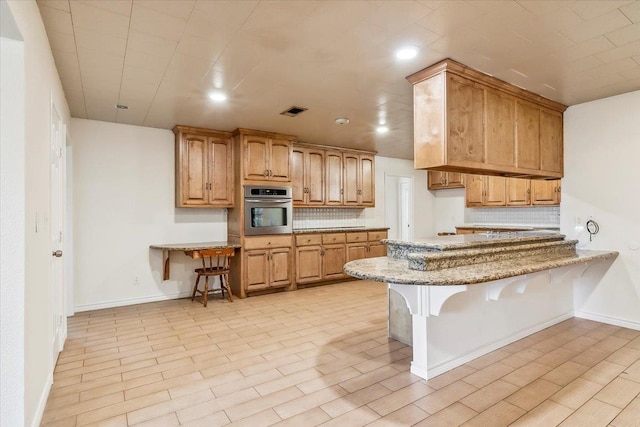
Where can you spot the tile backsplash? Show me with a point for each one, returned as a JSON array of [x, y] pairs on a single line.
[[327, 218], [544, 215]]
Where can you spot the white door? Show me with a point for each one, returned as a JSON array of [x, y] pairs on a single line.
[[404, 208], [398, 205], [57, 157]]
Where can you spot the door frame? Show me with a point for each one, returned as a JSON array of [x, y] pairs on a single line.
[[396, 198]]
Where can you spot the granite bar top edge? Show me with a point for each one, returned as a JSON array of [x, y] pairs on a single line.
[[196, 246], [337, 230], [515, 227], [445, 242], [390, 270]]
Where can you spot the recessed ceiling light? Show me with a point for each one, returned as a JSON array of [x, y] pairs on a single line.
[[217, 96], [382, 129], [408, 52], [342, 121]]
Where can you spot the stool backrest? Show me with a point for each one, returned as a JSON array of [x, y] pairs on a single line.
[[222, 257]]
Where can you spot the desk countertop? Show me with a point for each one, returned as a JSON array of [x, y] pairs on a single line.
[[196, 246]]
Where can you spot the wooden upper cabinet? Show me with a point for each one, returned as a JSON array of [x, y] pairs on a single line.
[[474, 185], [266, 156], [469, 122], [518, 192], [528, 136], [256, 161], [437, 180], [351, 182], [545, 192], [465, 102], [333, 175], [359, 179], [322, 176], [280, 160], [500, 128], [307, 176], [204, 168], [495, 191], [551, 145], [367, 177]]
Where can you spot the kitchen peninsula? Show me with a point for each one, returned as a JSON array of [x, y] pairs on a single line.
[[471, 294]]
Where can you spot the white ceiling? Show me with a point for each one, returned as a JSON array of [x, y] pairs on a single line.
[[336, 58]]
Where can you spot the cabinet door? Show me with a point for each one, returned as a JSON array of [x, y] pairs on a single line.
[[256, 268], [528, 135], [436, 180], [280, 160], [194, 178], [308, 264], [474, 185], [351, 182], [220, 172], [518, 192], [465, 134], [367, 181], [545, 192], [551, 141], [280, 267], [333, 178], [298, 176], [500, 119], [314, 177], [495, 191], [256, 158], [332, 261], [455, 180], [377, 250], [356, 251]]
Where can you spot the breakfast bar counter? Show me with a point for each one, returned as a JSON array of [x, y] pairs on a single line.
[[467, 295]]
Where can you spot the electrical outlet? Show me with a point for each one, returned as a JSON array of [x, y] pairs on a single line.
[[136, 281]]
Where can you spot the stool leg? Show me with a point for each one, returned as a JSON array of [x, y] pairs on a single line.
[[224, 283], [206, 290], [195, 288]]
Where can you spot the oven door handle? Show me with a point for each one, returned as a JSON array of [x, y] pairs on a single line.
[[267, 201]]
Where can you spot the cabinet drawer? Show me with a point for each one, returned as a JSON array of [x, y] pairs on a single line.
[[333, 238], [267, 242], [376, 236], [357, 237], [308, 239]]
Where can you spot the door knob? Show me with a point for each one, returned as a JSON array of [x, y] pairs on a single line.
[[57, 253]]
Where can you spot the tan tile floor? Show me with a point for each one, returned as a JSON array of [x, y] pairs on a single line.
[[321, 356]]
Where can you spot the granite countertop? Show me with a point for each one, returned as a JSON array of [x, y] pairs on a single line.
[[196, 246], [337, 229], [514, 227], [392, 270], [467, 241]]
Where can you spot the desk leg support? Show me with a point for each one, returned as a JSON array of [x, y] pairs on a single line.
[[165, 260]]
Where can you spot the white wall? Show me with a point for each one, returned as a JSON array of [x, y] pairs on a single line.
[[124, 202], [42, 85], [602, 151], [12, 223], [423, 200]]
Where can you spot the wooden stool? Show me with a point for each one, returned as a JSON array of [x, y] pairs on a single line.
[[211, 269]]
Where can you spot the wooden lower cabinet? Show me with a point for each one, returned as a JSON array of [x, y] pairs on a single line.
[[356, 251], [308, 264], [377, 250], [266, 267], [333, 259]]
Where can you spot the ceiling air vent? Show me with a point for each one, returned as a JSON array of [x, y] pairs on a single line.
[[293, 111]]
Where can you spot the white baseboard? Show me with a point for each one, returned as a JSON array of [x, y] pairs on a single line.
[[42, 402], [447, 366], [131, 301], [608, 320]]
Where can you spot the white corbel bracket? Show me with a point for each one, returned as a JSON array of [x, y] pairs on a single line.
[[495, 288], [566, 274], [426, 300]]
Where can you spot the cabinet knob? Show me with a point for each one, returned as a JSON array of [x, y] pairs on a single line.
[[266, 173]]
